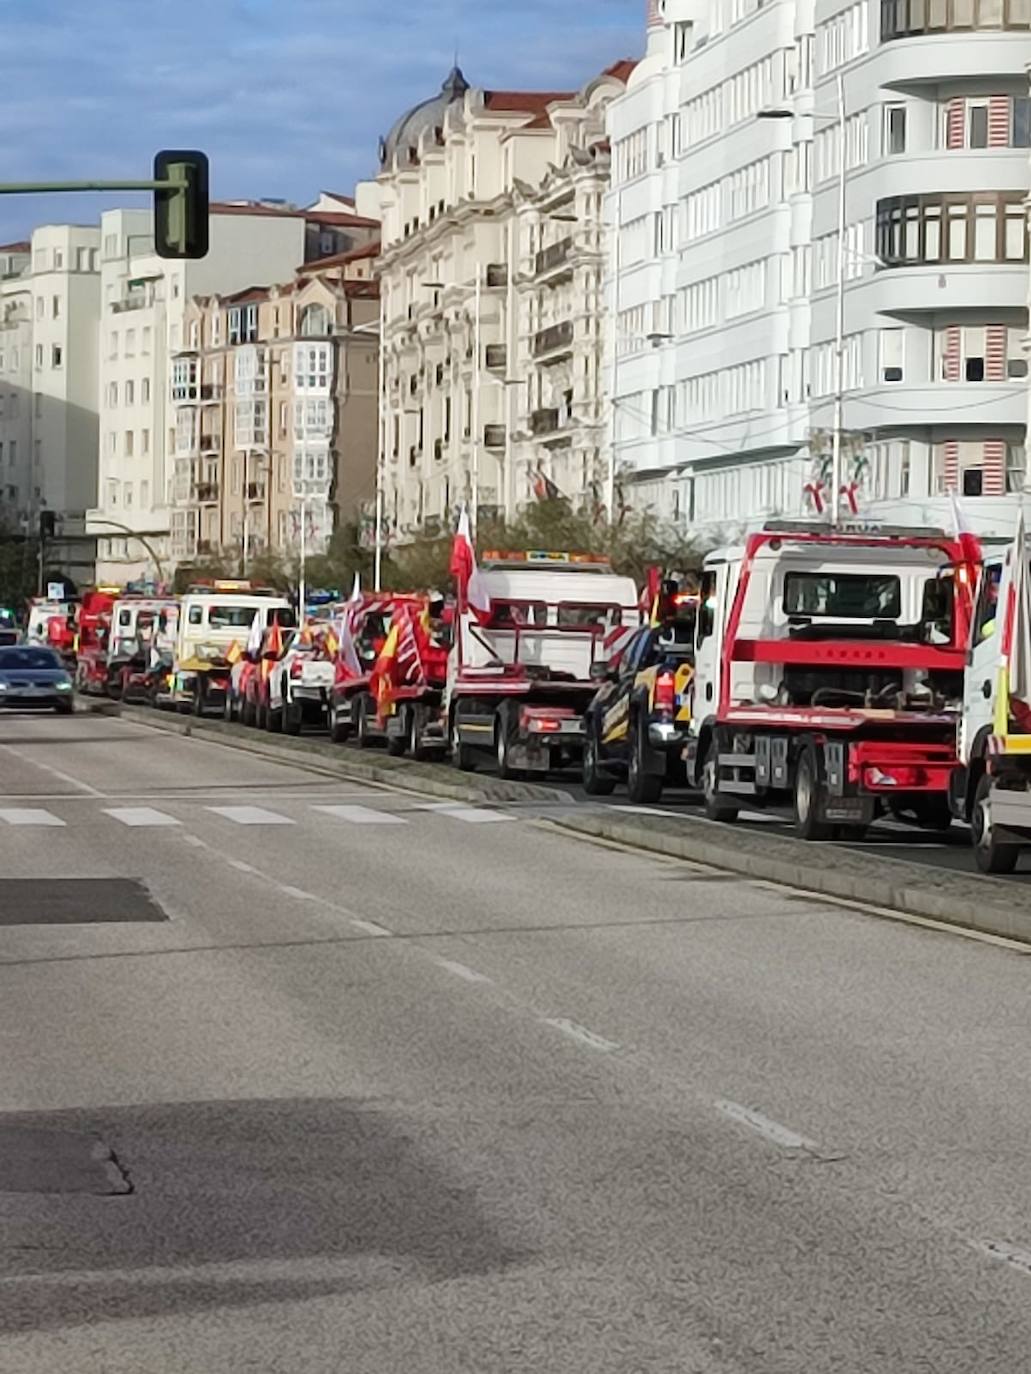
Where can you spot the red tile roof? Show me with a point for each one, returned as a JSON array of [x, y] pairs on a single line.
[[248, 295], [622, 69], [368, 250], [523, 102], [22, 247], [342, 218], [335, 218]]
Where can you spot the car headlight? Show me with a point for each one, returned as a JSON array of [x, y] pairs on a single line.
[[64, 686], [4, 686]]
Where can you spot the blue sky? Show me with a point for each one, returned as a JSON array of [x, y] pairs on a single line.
[[288, 97]]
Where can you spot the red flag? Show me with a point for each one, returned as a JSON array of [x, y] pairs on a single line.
[[471, 591], [274, 642]]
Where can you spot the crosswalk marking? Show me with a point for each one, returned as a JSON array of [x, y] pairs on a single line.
[[473, 816], [250, 815], [361, 815], [139, 816], [28, 815]]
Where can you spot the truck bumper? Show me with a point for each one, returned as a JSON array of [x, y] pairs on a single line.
[[666, 735]]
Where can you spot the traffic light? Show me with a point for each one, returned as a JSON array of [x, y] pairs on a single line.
[[181, 212], [47, 524]]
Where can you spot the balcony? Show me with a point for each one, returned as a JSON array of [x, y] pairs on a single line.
[[494, 436], [256, 491], [554, 257], [545, 421], [497, 357], [211, 391], [910, 18], [207, 493], [438, 449], [413, 455], [556, 340], [136, 302], [497, 274]]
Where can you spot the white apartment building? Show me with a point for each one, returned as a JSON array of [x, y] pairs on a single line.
[[144, 350], [50, 305], [727, 253], [492, 203]]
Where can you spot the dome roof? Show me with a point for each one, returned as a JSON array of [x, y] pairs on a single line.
[[404, 136]]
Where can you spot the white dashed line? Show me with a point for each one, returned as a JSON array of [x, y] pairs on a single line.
[[581, 1035], [296, 892], [139, 816], [240, 866], [27, 815], [54, 772], [195, 841], [1004, 1253], [472, 816], [461, 971], [361, 815], [369, 927], [772, 1131], [250, 815]]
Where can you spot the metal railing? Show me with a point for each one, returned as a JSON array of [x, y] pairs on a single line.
[[554, 337]]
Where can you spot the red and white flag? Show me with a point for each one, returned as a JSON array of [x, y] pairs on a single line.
[[468, 580]]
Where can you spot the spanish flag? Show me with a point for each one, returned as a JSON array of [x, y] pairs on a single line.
[[234, 653], [383, 670], [274, 642]]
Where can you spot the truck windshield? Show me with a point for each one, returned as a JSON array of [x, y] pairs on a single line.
[[230, 617], [588, 617], [843, 596]]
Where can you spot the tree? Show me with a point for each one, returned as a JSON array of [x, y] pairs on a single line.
[[19, 568]]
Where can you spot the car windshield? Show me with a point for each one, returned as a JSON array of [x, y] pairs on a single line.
[[18, 658]]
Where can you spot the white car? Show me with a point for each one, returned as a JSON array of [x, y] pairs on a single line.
[[300, 686]]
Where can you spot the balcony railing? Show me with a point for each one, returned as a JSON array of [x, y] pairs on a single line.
[[438, 449], [555, 337], [210, 443], [497, 274], [545, 421], [497, 356], [256, 491], [494, 436], [905, 18], [131, 303], [555, 255], [206, 492], [211, 391]]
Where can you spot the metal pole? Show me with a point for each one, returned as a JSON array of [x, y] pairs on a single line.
[[42, 560], [511, 347], [381, 455], [246, 514], [474, 505], [610, 494], [302, 593], [839, 332]]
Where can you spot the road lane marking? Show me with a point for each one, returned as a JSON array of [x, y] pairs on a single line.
[[54, 772], [462, 971], [297, 893], [194, 840], [770, 1130], [250, 815], [240, 866], [139, 816], [581, 1034], [29, 815], [646, 810], [369, 927], [1002, 1252], [361, 815], [472, 816]]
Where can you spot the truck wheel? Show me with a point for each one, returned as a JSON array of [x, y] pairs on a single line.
[[198, 697], [462, 756], [273, 718], [991, 855], [339, 729], [293, 718], [362, 735], [415, 747], [934, 814], [397, 745], [642, 787], [809, 824], [716, 809], [504, 729], [248, 713], [229, 707], [595, 782]]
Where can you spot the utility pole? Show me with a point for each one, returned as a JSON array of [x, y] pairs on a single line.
[[47, 529]]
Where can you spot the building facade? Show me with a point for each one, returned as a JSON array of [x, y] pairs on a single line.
[[275, 400], [727, 247], [491, 290], [50, 303], [143, 334]]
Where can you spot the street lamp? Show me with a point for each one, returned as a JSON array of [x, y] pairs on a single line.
[[476, 290], [839, 330]]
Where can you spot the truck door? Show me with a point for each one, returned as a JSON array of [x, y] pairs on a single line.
[[980, 679], [712, 599]]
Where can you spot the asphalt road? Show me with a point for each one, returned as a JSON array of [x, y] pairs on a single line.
[[354, 1082]]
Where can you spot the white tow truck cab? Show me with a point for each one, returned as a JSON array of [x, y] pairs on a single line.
[[519, 676], [829, 674], [41, 612], [992, 786], [212, 619]]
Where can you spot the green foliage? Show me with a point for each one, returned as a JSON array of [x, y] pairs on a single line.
[[19, 569]]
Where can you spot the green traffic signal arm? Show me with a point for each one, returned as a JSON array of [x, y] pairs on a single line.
[[18, 188]]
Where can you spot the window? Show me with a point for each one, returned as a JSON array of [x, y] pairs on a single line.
[[112, 394], [130, 343], [130, 391], [145, 390], [55, 307], [315, 321], [144, 491], [894, 129], [1021, 137], [113, 347], [127, 494], [39, 355], [892, 350], [146, 339], [1016, 466], [144, 440], [682, 41], [977, 124], [56, 355], [843, 596], [39, 307], [128, 443], [983, 227]]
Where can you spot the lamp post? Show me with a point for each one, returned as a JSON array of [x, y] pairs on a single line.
[[476, 291], [839, 326]]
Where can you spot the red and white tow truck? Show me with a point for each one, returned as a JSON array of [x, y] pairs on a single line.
[[520, 671], [130, 645], [93, 633], [362, 635], [829, 675]]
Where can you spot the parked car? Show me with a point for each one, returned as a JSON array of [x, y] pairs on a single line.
[[32, 676]]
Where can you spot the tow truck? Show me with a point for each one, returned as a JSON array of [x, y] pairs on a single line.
[[134, 623], [300, 683], [992, 785], [93, 632], [520, 673], [410, 678], [829, 675], [212, 618], [364, 628]]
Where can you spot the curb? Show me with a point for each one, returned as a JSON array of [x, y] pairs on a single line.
[[990, 906], [432, 779]]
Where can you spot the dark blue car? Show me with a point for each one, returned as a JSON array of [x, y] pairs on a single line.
[[34, 677]]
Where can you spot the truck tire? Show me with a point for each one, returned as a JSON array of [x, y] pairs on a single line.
[[397, 745], [934, 814], [229, 706], [596, 783], [462, 757], [293, 718], [716, 808], [273, 718], [504, 729], [809, 824], [641, 787], [362, 736], [991, 855], [415, 744], [339, 729], [198, 697], [248, 713]]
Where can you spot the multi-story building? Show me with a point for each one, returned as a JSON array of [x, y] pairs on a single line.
[[492, 307], [275, 398], [50, 301], [727, 249], [144, 344]]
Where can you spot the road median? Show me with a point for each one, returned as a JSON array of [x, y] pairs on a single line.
[[991, 906], [432, 779]]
